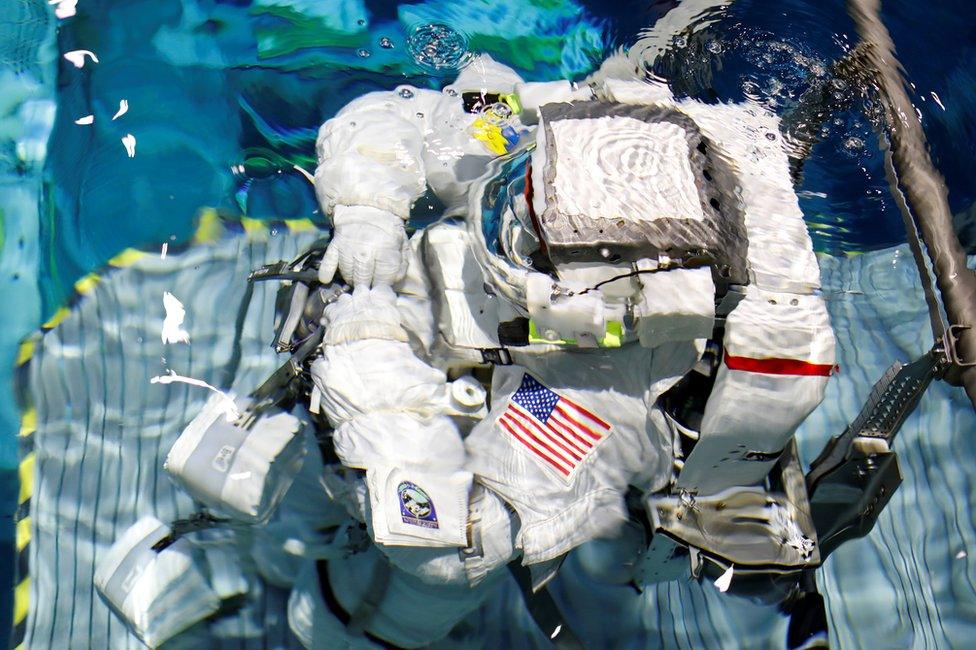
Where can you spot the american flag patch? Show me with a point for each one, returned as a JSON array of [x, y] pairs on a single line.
[[555, 430]]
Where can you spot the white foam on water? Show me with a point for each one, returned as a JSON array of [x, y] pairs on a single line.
[[173, 331], [129, 142], [724, 581], [123, 109], [78, 57], [227, 406]]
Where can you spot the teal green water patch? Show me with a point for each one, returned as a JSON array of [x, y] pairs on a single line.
[[545, 40], [550, 39], [283, 30]]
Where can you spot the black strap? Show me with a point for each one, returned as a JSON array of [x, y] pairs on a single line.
[[496, 356], [277, 388], [544, 610], [808, 616], [196, 522], [265, 273], [357, 621], [230, 370]]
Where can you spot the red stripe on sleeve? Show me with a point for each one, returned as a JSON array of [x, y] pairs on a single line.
[[780, 366]]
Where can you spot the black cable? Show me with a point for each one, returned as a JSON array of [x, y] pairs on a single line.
[[262, 275], [622, 276], [230, 370], [544, 610]]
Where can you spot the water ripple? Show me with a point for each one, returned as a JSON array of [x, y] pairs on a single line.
[[435, 46]]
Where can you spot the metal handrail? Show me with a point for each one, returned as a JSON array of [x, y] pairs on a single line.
[[921, 192]]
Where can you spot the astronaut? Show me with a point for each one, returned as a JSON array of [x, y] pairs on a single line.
[[604, 343], [612, 255]]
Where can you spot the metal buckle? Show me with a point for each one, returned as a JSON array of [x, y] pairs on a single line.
[[950, 340], [496, 356], [181, 527]]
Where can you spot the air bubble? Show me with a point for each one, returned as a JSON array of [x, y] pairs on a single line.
[[438, 47], [498, 114], [714, 47], [386, 43], [363, 52], [406, 93]]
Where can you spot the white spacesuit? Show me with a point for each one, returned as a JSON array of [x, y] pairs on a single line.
[[614, 329], [533, 173]]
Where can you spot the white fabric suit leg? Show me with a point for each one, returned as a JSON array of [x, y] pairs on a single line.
[[404, 609]]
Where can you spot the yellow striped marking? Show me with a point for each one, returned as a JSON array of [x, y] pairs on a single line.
[[56, 319], [25, 351], [255, 229], [128, 257], [23, 533], [87, 284], [209, 228], [28, 422], [299, 225], [26, 472], [21, 599]]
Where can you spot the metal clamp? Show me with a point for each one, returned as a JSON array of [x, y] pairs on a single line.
[[496, 356], [950, 340], [194, 523]]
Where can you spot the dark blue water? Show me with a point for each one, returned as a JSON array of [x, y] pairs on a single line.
[[216, 84], [216, 100]]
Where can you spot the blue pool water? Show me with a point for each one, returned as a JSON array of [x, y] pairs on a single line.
[[213, 85]]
